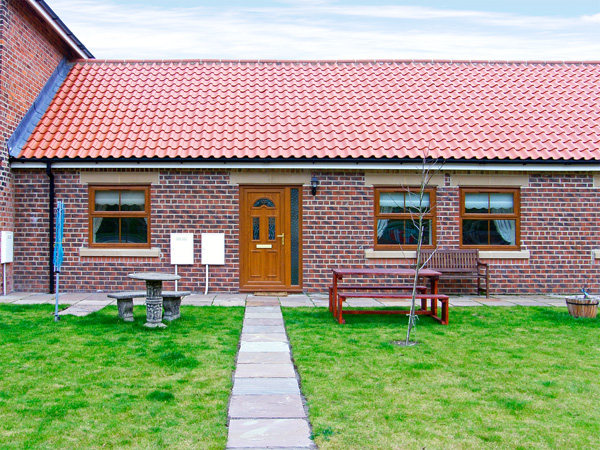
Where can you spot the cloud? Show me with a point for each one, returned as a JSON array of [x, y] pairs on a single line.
[[314, 29]]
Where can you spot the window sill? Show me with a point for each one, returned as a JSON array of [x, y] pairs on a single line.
[[483, 254], [504, 254], [120, 252], [391, 254]]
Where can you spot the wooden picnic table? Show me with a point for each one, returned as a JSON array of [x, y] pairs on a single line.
[[373, 274]]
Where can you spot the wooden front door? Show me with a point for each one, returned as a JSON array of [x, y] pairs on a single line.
[[267, 239]]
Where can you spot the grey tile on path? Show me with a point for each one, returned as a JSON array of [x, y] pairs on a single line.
[[255, 321], [262, 315], [263, 329], [265, 386], [264, 309], [33, 300], [264, 347], [266, 407], [264, 358], [264, 337], [269, 433], [229, 303], [265, 371]]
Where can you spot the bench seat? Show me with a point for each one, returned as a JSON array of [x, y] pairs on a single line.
[[444, 299], [360, 287], [172, 303], [125, 303]]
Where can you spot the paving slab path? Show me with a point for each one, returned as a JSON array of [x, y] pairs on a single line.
[[266, 408]]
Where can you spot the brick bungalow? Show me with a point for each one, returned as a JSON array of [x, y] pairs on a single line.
[[309, 165]]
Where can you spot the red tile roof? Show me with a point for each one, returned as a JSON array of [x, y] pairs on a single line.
[[293, 109]]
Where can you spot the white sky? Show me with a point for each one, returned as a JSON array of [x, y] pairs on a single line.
[[335, 29]]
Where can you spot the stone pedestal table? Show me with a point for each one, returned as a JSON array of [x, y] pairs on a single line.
[[154, 300]]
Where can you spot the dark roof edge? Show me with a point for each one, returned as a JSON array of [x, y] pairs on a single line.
[[325, 62], [348, 161], [47, 13], [32, 117]]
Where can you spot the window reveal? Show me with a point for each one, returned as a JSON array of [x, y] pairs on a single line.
[[119, 216]]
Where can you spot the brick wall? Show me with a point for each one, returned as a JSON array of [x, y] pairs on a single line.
[[558, 227], [29, 54]]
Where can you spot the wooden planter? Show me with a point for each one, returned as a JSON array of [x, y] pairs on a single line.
[[579, 306]]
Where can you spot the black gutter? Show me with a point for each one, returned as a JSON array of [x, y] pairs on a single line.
[[350, 161], [51, 224]]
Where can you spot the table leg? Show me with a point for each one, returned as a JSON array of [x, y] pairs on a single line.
[[333, 294], [154, 304]]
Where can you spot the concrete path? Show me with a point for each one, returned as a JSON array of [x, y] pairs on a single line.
[[266, 408], [82, 303]]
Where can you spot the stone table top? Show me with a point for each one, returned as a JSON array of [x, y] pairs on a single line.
[[154, 276]]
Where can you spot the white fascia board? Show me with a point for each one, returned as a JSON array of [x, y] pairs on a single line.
[[317, 165], [56, 28]]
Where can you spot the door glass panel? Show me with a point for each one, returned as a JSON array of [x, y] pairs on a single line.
[[256, 228], [295, 236], [271, 228], [263, 202]]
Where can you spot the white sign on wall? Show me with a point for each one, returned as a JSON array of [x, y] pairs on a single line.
[[213, 248], [182, 248], [6, 253]]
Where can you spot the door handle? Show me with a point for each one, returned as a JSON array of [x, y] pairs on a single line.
[[282, 236]]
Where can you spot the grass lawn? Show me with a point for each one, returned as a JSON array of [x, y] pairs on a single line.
[[97, 382], [495, 378]]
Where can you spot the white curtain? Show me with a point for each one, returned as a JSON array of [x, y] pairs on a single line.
[[381, 226], [507, 229]]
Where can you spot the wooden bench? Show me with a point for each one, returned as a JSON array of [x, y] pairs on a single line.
[[355, 287], [171, 303], [125, 303], [444, 299], [458, 265]]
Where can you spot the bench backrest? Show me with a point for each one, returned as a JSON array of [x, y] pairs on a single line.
[[451, 260]]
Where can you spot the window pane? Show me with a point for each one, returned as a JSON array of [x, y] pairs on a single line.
[[107, 201], [134, 230], [106, 230], [391, 202], [413, 201], [476, 232], [501, 203], [402, 232], [503, 232], [133, 201], [476, 203]]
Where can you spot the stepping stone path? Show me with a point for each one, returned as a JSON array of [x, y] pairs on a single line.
[[266, 410]]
